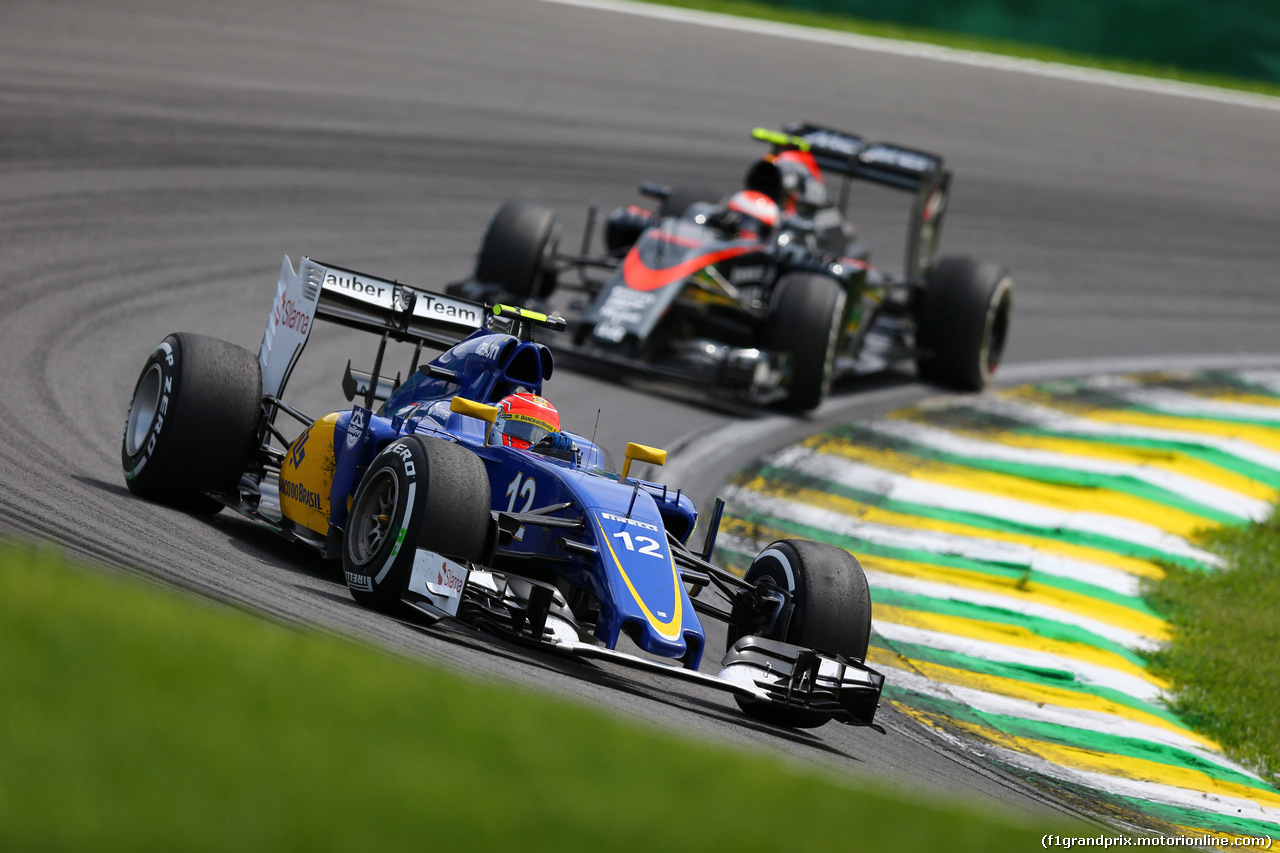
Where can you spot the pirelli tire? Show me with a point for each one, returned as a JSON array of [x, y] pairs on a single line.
[[518, 250], [830, 611], [962, 323], [805, 322], [417, 493], [193, 422]]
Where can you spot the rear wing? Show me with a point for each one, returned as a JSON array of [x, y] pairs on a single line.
[[852, 157], [393, 310]]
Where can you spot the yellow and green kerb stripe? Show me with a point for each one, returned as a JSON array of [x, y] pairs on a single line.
[[1006, 538]]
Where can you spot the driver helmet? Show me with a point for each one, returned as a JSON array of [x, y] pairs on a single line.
[[757, 213], [802, 185], [523, 420]]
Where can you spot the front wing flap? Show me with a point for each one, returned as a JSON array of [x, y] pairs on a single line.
[[771, 672], [809, 680]]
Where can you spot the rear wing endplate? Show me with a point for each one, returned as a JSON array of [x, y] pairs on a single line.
[[396, 311]]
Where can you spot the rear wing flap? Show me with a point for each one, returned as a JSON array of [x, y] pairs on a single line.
[[881, 162], [396, 311]]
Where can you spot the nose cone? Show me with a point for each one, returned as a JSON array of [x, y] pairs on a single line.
[[643, 584], [647, 637]]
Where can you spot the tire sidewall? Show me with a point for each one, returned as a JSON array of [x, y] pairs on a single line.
[[380, 580], [193, 422], [956, 322], [143, 451], [779, 565], [517, 250], [808, 314], [999, 294], [810, 571], [833, 342]]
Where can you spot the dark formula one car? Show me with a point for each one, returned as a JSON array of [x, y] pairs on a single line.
[[461, 497], [770, 294]]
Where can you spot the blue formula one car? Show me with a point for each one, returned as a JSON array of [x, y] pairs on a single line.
[[460, 497]]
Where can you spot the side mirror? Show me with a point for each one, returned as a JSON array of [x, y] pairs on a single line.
[[472, 409], [655, 190], [640, 453]]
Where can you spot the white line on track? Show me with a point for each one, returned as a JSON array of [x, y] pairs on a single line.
[[936, 53]]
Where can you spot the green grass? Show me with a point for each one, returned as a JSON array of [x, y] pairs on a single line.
[[133, 717], [842, 23], [1224, 658]]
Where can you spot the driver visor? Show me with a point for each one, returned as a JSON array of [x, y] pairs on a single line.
[[521, 428]]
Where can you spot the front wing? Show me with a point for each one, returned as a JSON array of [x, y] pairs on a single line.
[[771, 673], [755, 669]]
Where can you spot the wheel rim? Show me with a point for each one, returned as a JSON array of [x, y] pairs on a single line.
[[373, 517], [997, 329], [833, 345], [143, 409]]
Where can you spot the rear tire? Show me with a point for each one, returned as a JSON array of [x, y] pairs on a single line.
[[831, 611], [193, 422], [962, 323], [807, 317], [518, 249], [418, 493]]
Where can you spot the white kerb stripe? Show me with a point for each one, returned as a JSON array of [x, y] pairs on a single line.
[[1189, 488], [1086, 673], [866, 477], [985, 702]]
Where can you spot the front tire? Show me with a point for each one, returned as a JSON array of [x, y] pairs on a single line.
[[962, 323], [807, 317], [418, 493], [193, 422], [518, 249], [830, 611]]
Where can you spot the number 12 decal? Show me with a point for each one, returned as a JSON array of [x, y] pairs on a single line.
[[527, 491], [650, 548]]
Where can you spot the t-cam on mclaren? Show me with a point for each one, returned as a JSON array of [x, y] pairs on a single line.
[[770, 293], [456, 495]]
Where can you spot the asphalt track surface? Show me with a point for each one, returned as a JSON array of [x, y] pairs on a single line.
[[158, 159]]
